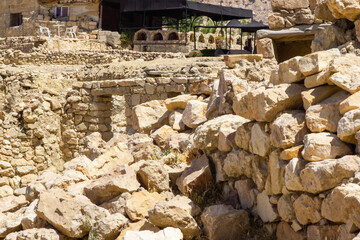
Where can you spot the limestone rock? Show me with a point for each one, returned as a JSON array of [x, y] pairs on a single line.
[[225, 130], [325, 115], [162, 134], [154, 176], [31, 219], [175, 120], [247, 193], [184, 203], [321, 176], [337, 205], [292, 174], [139, 226], [317, 62], [149, 115], [350, 103], [61, 210], [321, 146], [117, 204], [35, 234], [260, 140], [179, 102], [168, 233], [307, 209], [243, 135], [318, 79], [238, 163], [108, 228], [197, 177], [264, 104], [218, 159], [288, 129], [349, 9], [194, 113], [277, 172], [289, 71], [317, 95], [293, 4], [140, 203], [108, 187], [223, 220], [315, 232], [11, 222], [285, 208], [265, 209], [284, 232], [346, 71], [167, 215], [348, 125], [82, 164], [206, 136], [12, 203], [290, 153]]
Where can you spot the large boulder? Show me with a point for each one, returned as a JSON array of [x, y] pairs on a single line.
[[149, 116], [346, 72], [349, 9], [264, 104], [320, 176], [154, 176], [62, 210], [348, 125], [285, 208], [138, 205], [326, 115], [223, 220], [165, 214], [288, 129], [321, 146], [196, 178], [226, 130], [111, 186], [307, 209], [289, 71], [292, 174], [206, 136], [194, 113]]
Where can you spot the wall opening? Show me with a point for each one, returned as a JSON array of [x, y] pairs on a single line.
[[289, 49], [173, 36], [16, 19], [157, 37], [211, 40], [141, 36]]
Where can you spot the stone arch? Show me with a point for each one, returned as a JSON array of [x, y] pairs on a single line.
[[201, 38], [211, 39], [157, 36], [172, 35], [141, 35]]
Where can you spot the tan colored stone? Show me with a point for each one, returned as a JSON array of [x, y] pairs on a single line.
[[149, 116], [317, 95], [247, 192], [315, 232], [307, 209], [224, 220], [350, 103], [179, 102], [6, 191], [194, 113], [316, 62], [265, 209], [357, 29], [225, 130], [162, 134], [277, 172], [108, 228], [292, 174], [289, 71], [153, 176], [196, 178], [260, 140], [346, 72], [264, 104], [290, 153], [285, 232], [276, 21], [323, 12], [165, 234], [265, 47], [317, 177], [165, 214], [318, 79], [35, 234], [349, 9], [326, 115], [292, 4], [175, 120], [243, 136], [285, 208], [288, 129], [140, 203], [141, 225], [321, 146], [12, 203], [348, 125]]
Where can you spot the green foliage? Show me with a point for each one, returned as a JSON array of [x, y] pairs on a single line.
[[127, 37]]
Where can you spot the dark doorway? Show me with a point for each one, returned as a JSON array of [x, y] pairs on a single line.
[[16, 19]]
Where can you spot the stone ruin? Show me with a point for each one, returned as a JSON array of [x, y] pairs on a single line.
[[102, 143]]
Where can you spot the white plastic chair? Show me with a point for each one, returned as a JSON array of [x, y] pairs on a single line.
[[45, 31], [71, 32]]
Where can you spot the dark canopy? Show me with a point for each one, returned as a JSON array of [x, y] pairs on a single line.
[[178, 8], [253, 26]]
